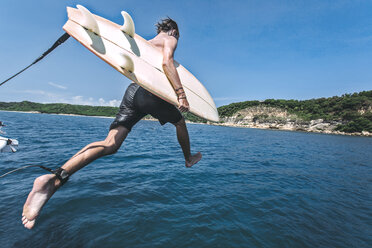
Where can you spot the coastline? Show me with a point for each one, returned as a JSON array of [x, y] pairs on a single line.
[[37, 112], [267, 127], [234, 125]]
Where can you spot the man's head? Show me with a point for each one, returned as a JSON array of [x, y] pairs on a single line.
[[168, 26]]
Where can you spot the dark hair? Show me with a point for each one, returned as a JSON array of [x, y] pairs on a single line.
[[169, 26]]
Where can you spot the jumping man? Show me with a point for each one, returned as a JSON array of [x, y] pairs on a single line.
[[136, 103]]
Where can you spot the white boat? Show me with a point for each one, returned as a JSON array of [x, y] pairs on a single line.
[[8, 145]]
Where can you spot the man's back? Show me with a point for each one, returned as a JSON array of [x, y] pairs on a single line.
[[164, 41]]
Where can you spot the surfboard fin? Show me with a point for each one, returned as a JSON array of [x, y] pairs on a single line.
[[125, 62], [89, 22], [128, 26]]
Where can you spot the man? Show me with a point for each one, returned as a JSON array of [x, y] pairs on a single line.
[[136, 103], [2, 125]]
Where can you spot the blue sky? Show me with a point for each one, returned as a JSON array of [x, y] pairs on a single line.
[[240, 50]]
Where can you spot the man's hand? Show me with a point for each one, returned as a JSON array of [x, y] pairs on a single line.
[[183, 105]]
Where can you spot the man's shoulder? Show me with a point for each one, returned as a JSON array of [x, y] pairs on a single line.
[[170, 41]]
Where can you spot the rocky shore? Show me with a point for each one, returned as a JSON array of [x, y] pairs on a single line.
[[277, 119], [265, 118]]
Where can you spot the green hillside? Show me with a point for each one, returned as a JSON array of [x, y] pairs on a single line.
[[353, 110], [59, 108]]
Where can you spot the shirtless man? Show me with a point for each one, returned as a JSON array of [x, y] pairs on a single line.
[[136, 103], [1, 125]]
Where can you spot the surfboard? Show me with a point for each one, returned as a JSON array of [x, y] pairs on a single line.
[[136, 58]]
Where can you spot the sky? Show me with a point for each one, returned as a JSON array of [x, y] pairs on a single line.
[[240, 50]]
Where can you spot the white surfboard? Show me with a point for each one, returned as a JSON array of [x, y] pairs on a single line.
[[136, 58]]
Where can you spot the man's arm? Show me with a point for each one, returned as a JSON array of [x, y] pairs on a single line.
[[170, 71]]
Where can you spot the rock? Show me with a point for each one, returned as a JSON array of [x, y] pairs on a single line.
[[315, 122], [278, 119], [365, 133]]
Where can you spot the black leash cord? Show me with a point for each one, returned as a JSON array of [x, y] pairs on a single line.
[[27, 166], [61, 39]]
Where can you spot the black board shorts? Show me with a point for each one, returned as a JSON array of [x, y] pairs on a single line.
[[138, 102]]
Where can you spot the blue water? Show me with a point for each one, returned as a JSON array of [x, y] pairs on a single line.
[[253, 188]]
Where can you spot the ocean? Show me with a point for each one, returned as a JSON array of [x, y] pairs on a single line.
[[253, 188]]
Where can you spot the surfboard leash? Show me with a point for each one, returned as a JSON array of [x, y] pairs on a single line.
[[60, 173], [28, 166], [60, 40]]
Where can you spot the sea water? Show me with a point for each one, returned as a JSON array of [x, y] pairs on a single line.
[[253, 188]]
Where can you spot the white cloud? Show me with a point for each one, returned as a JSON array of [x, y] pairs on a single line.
[[80, 100], [57, 85], [112, 103], [115, 103], [40, 93], [49, 97]]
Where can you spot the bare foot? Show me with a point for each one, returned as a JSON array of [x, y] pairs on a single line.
[[193, 159], [44, 188]]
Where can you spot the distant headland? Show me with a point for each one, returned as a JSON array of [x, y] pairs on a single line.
[[349, 114]]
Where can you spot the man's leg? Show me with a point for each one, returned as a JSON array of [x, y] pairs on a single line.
[[184, 140], [45, 186]]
